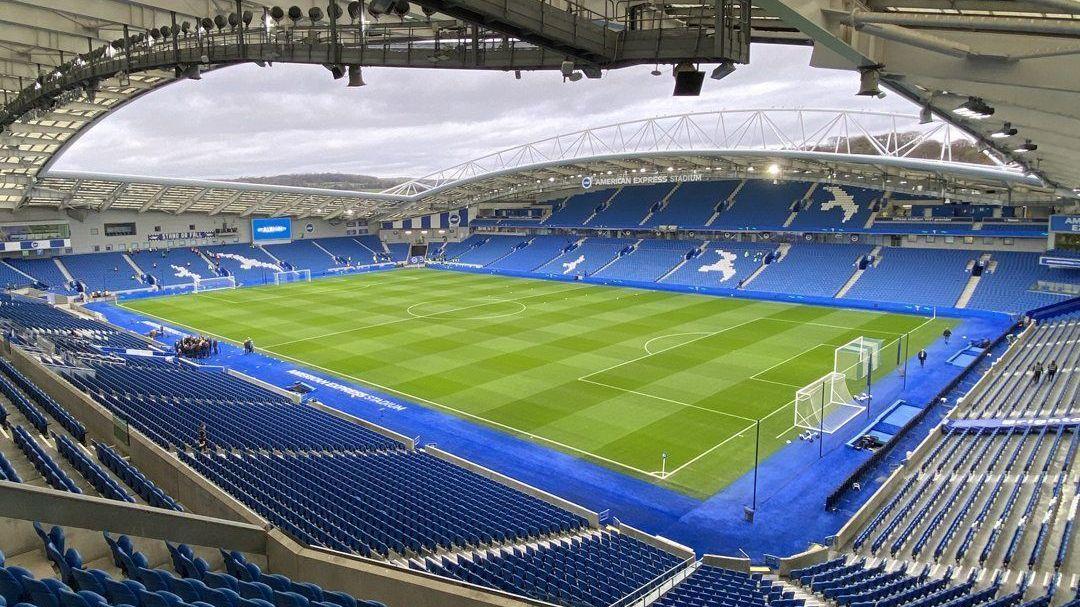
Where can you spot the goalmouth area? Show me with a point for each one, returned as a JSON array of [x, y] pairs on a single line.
[[615, 375]]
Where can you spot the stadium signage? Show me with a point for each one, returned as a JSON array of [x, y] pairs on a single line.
[[178, 235], [271, 229], [1065, 223], [347, 390], [620, 180], [37, 245]]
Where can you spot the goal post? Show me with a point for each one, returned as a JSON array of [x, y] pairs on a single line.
[[213, 283], [826, 404], [858, 359], [287, 276]]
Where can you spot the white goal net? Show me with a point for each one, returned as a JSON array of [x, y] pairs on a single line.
[[214, 283], [287, 276], [826, 404]]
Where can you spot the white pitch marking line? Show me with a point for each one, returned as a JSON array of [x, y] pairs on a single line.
[[413, 397], [778, 383], [433, 314], [785, 361], [710, 450], [670, 335], [687, 342], [412, 317], [665, 399]]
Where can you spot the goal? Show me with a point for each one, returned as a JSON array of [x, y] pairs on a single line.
[[288, 276], [858, 358], [826, 404], [213, 283]]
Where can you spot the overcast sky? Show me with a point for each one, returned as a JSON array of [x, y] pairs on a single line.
[[251, 121]]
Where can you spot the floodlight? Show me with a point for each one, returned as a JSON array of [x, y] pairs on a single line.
[[1026, 147], [401, 8], [220, 22], [774, 169], [190, 72], [315, 14], [721, 71], [377, 8], [354, 10], [356, 77], [869, 78], [336, 70], [277, 14], [207, 24], [975, 109], [574, 77], [233, 21], [247, 17], [925, 115], [566, 67], [166, 31], [333, 11], [1006, 130], [295, 15]]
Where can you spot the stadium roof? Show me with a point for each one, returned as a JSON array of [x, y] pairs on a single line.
[[996, 61], [870, 149]]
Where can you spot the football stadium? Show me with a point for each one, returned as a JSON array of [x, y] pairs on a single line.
[[725, 356]]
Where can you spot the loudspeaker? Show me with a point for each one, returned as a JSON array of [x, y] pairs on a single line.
[[688, 83]]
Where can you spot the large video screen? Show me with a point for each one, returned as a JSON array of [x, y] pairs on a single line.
[[271, 229]]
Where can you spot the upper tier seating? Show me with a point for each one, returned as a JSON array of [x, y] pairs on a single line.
[[103, 271], [487, 249], [1009, 286], [348, 250], [715, 586], [592, 255], [903, 275], [651, 260], [830, 265], [540, 250], [573, 211], [594, 570], [692, 204], [44, 270], [246, 263], [173, 266], [303, 255], [630, 206], [395, 500], [723, 264], [760, 205], [835, 208], [10, 278]]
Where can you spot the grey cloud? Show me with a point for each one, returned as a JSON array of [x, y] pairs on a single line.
[[247, 120]]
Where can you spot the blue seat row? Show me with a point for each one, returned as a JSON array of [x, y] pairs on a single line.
[[135, 479], [98, 478], [716, 587], [59, 413], [44, 464], [400, 501]]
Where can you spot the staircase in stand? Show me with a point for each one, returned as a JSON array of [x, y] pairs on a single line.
[[727, 201], [332, 256], [663, 205], [973, 280], [617, 257], [63, 269], [604, 205], [134, 266], [876, 254], [781, 251], [681, 263]]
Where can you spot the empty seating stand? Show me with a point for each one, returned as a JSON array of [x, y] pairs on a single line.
[[595, 570], [398, 501], [103, 271], [708, 586], [171, 267]]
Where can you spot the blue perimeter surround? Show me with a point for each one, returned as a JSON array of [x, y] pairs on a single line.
[[790, 513]]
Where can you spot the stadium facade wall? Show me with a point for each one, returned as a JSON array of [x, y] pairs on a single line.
[[22, 501], [733, 563], [747, 294], [90, 231]]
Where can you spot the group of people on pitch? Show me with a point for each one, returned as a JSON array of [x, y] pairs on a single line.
[[196, 346]]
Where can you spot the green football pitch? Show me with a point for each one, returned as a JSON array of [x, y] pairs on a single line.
[[615, 375]]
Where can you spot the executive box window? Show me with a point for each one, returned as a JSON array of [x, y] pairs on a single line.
[[120, 229]]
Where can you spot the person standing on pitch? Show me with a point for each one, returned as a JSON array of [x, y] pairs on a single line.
[[947, 333], [922, 357]]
